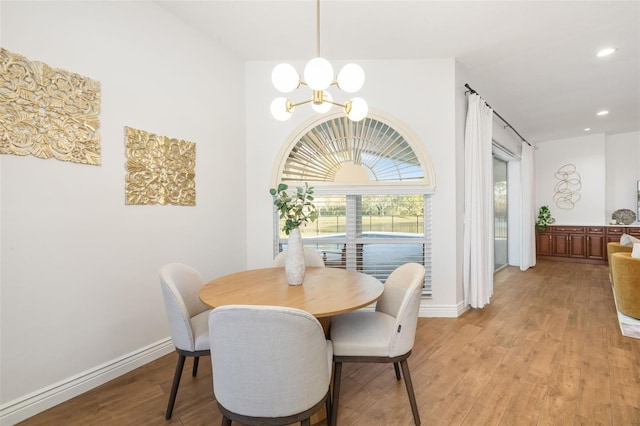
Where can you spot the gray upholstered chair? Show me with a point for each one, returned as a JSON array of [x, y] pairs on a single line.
[[311, 258], [272, 364], [188, 319], [385, 335]]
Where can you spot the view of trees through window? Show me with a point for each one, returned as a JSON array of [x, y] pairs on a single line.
[[379, 213]]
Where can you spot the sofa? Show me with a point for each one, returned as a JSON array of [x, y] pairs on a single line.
[[615, 247], [625, 271]]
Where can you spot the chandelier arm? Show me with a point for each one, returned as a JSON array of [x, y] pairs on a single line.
[[334, 103], [301, 103]]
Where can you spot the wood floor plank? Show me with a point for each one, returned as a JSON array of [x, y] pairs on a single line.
[[525, 405], [547, 350], [572, 348], [559, 407], [490, 406], [594, 397]]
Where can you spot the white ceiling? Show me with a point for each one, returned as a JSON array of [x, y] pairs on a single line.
[[533, 61]]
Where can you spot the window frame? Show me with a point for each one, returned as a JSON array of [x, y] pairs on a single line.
[[424, 186]]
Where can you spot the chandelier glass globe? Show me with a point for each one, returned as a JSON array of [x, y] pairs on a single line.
[[351, 78], [356, 109], [285, 78], [281, 109], [318, 73]]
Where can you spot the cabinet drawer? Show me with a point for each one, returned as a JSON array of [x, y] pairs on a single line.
[[564, 229], [595, 230], [615, 230], [633, 231]]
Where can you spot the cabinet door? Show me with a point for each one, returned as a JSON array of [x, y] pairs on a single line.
[[596, 243], [577, 245], [560, 245], [543, 244], [596, 247]]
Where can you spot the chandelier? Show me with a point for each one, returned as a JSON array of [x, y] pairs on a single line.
[[318, 76]]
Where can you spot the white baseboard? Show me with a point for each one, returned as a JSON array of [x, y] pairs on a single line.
[[36, 402], [442, 311]]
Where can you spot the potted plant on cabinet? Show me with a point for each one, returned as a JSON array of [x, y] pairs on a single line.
[[544, 219], [296, 210]]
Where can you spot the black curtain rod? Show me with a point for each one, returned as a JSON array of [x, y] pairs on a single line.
[[498, 115]]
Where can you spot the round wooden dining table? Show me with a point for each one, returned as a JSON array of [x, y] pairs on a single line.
[[324, 292]]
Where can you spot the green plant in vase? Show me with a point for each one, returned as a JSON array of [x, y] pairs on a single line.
[[544, 218], [297, 209]]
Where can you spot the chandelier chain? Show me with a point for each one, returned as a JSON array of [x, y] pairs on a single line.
[[317, 28]]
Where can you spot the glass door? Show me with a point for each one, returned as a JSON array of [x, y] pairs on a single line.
[[501, 258]]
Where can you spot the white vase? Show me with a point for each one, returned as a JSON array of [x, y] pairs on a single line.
[[294, 265]]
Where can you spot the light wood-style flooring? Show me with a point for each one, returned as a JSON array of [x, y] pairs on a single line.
[[547, 350]]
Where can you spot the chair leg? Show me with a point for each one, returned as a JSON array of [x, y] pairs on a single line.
[[226, 421], [327, 407], [337, 372], [396, 367], [195, 366], [174, 387], [409, 385]]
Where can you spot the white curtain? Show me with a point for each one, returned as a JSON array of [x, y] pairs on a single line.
[[527, 210], [478, 202]]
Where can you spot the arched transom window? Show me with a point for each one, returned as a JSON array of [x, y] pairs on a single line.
[[340, 150]]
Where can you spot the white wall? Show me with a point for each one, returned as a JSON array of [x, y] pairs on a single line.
[[623, 171], [79, 269], [422, 94], [610, 169], [587, 153]]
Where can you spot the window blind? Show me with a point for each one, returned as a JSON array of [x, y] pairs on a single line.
[[372, 233]]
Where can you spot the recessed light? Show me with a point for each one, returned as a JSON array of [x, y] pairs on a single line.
[[606, 52], [587, 129], [603, 112]]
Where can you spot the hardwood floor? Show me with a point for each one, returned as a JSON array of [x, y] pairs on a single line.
[[547, 350]]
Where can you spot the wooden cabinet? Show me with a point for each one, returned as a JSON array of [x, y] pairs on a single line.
[[586, 244], [568, 241]]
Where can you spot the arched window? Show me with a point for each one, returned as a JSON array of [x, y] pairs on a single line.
[[373, 184]]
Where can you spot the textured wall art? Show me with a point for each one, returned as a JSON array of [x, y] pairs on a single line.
[[160, 170], [567, 189], [48, 112]]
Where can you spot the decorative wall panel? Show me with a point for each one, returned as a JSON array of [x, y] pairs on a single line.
[[160, 170], [47, 112]]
